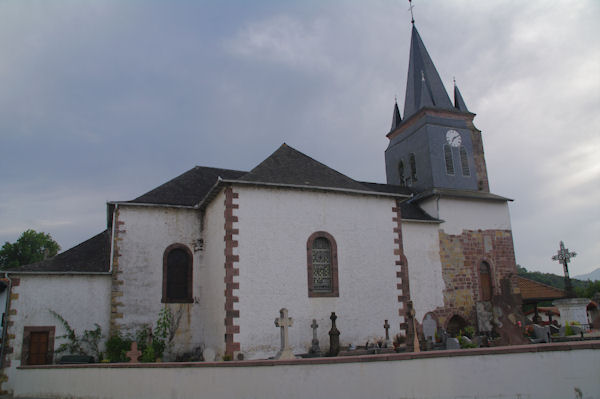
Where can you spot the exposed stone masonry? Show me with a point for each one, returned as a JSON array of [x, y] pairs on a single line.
[[230, 272], [461, 256], [117, 284], [402, 274]]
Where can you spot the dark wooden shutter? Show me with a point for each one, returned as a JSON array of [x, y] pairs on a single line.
[[38, 347]]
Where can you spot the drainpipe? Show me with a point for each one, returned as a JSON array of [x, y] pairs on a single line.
[[6, 315]]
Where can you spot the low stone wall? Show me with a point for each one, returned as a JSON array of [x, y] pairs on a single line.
[[563, 370]]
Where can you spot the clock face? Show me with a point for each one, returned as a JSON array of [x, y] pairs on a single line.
[[453, 138]]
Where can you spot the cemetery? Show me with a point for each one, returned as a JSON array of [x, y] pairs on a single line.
[[382, 367]]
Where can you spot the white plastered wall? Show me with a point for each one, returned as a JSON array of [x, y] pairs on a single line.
[[274, 226], [82, 300], [212, 273], [422, 251], [148, 232], [468, 214]]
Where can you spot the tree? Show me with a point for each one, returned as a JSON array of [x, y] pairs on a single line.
[[31, 247]]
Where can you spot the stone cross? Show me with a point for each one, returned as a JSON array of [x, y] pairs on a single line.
[[314, 348], [412, 338], [134, 353], [387, 326], [284, 322], [563, 256], [334, 337]]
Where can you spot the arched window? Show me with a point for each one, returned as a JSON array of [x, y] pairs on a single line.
[[464, 161], [322, 265], [449, 160], [413, 167], [402, 179], [485, 281], [177, 274]]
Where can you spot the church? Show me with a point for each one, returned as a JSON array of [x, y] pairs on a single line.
[[225, 250]]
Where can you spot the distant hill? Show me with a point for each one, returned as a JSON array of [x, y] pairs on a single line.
[[594, 276], [550, 279]]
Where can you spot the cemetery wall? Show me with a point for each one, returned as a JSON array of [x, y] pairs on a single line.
[[145, 232], [82, 300], [422, 250], [528, 371], [274, 227]]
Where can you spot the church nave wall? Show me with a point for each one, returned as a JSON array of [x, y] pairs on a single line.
[[274, 226], [145, 232]]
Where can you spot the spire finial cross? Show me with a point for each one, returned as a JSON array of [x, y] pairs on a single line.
[[563, 256], [410, 7]]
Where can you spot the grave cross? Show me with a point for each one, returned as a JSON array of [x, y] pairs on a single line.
[[563, 256], [134, 353], [284, 322], [387, 326], [314, 349]]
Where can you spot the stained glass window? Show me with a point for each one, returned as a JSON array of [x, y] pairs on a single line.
[[321, 260], [322, 265]]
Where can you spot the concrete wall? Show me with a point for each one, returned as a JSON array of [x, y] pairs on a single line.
[[532, 371], [274, 226], [81, 300]]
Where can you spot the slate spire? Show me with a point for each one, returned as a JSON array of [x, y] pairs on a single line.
[[459, 103], [422, 73], [396, 118]]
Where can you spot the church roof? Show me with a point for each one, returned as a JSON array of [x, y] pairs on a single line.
[[187, 189], [424, 87], [454, 193], [459, 103], [91, 256], [289, 166]]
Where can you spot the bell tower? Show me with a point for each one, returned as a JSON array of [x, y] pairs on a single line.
[[436, 145]]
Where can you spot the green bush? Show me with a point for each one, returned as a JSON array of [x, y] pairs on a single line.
[[117, 347]]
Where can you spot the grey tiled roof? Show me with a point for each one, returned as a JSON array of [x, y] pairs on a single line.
[[187, 189], [288, 166], [90, 256], [424, 86]]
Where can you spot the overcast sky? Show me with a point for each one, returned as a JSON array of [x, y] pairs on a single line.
[[105, 100]]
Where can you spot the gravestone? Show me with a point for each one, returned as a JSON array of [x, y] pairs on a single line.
[[315, 350], [209, 355], [542, 334], [452, 343], [284, 322], [134, 353], [334, 337], [429, 327]]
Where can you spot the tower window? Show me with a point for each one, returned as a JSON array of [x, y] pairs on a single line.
[[464, 161], [402, 179], [449, 159], [413, 167]]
